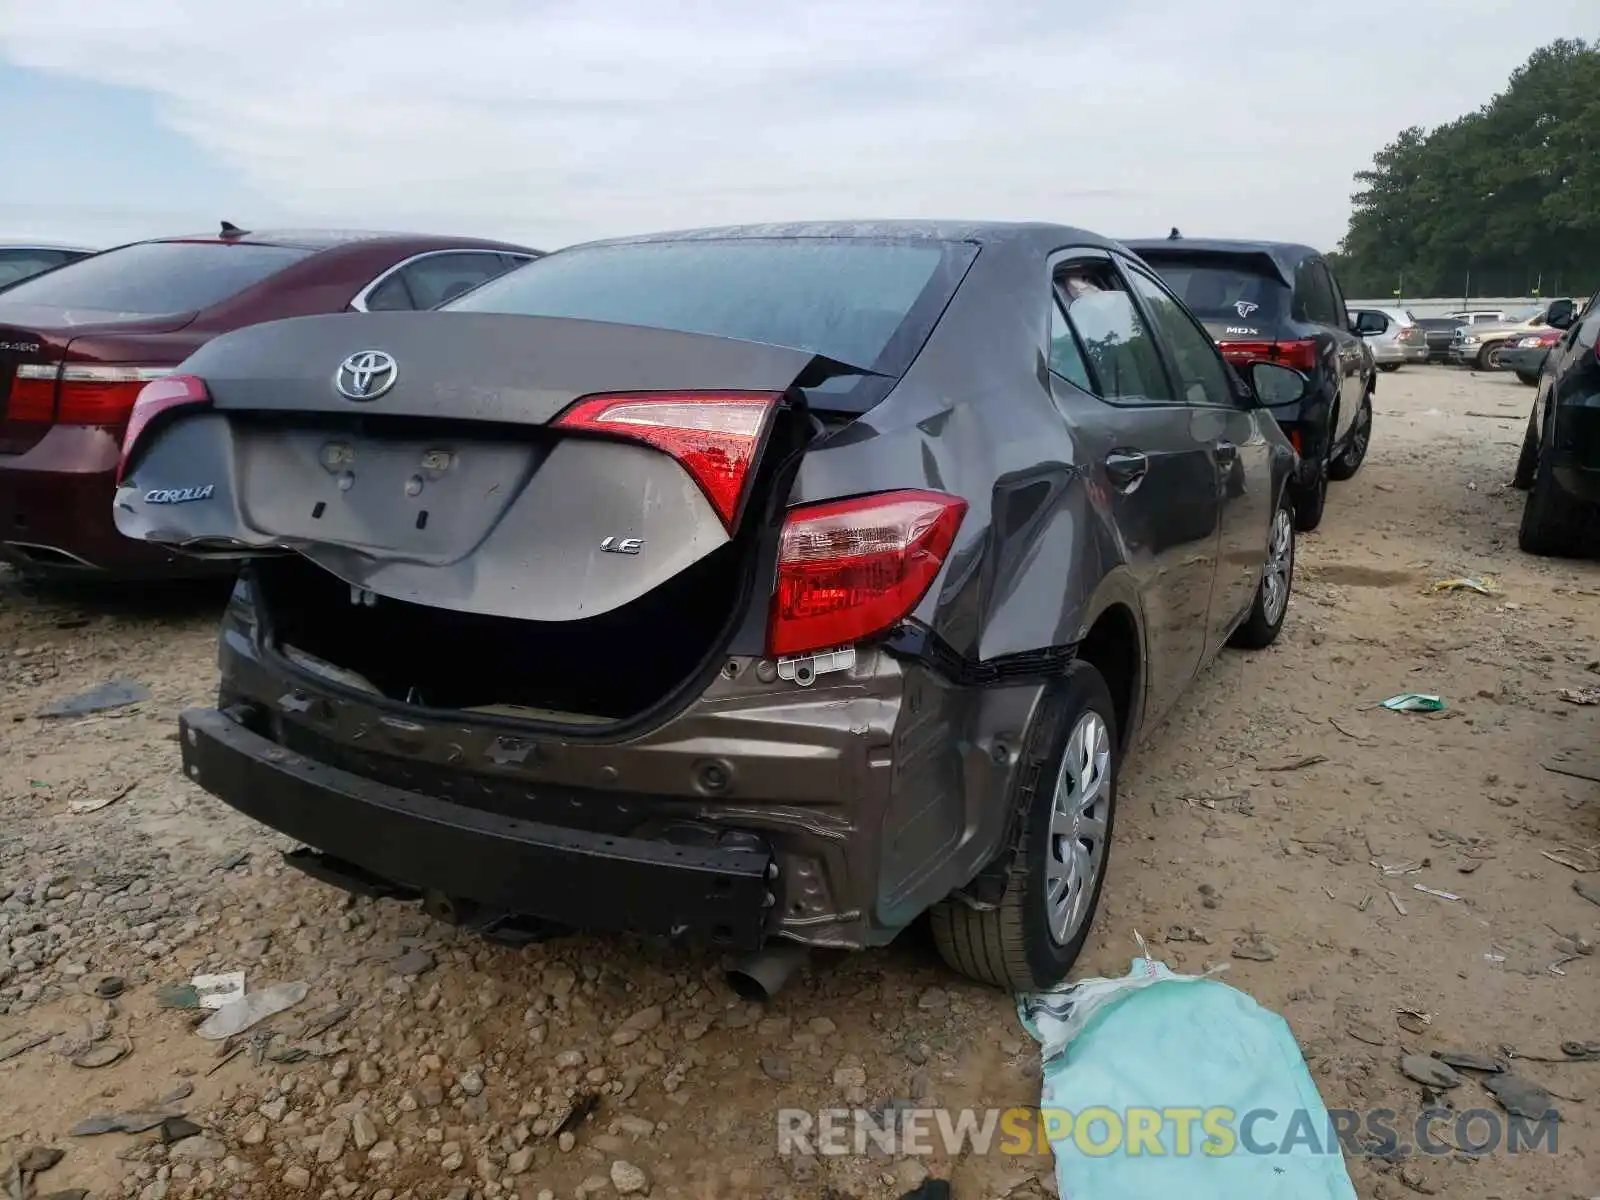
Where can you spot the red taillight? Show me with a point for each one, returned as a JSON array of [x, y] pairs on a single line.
[[154, 399], [33, 393], [850, 568], [1301, 355], [715, 436]]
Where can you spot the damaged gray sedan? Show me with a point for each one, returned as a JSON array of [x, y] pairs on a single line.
[[758, 586]]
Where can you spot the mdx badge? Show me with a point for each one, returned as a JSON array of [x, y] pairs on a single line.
[[366, 375], [616, 545], [179, 495]]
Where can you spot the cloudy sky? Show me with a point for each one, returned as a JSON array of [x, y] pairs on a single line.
[[551, 122]]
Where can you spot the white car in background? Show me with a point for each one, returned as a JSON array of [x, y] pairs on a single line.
[[1392, 335]]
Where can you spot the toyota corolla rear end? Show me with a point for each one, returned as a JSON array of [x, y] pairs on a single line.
[[532, 626]]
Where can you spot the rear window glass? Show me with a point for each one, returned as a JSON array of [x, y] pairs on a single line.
[[156, 277], [867, 304], [1223, 289]]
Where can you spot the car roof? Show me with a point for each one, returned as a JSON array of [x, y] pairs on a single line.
[[37, 245], [982, 232], [1286, 256], [330, 239]]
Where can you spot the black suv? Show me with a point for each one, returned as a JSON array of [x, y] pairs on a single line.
[[1560, 463], [1280, 302]]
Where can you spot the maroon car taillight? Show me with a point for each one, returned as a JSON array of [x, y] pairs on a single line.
[[78, 393], [158, 400], [848, 569], [715, 436]]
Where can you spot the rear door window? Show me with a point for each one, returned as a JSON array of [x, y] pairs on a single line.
[[1224, 287], [1201, 373], [1066, 356], [440, 278], [157, 278], [21, 263], [1123, 360]]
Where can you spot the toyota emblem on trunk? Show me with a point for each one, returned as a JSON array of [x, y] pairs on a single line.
[[366, 375]]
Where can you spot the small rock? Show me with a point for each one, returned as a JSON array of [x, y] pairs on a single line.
[[362, 1131], [775, 1068], [636, 1026], [934, 1000], [254, 1133], [412, 962], [518, 1161], [1519, 1097], [821, 1026], [1255, 948], [274, 1110], [297, 1177], [628, 1179], [331, 1148], [909, 1175], [176, 1129], [566, 1141], [450, 1156], [471, 1083], [198, 1149], [1425, 1069], [384, 1152], [40, 1159], [1469, 1062], [569, 1060]]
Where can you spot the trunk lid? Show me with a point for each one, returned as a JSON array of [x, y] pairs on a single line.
[[446, 485]]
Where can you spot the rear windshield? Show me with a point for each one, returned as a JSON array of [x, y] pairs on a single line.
[[866, 304], [1222, 289], [156, 278]]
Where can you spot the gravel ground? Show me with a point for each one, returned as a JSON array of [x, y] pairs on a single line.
[[425, 1064]]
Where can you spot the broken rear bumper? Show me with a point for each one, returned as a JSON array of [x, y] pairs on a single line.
[[718, 895]]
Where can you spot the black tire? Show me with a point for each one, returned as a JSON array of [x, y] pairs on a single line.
[[1389, 366], [1528, 460], [1553, 523], [1355, 451], [1265, 622], [1531, 378], [1011, 945], [1488, 358], [1309, 501]]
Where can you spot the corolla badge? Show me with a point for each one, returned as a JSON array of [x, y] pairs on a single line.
[[1246, 307], [366, 375], [179, 495]]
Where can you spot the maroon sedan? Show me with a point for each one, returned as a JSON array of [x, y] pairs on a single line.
[[77, 344]]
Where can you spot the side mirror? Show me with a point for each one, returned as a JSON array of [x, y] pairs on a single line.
[[1275, 385], [1370, 324], [1562, 314]]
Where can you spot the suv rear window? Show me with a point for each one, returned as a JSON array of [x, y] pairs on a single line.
[[156, 278], [1224, 289], [864, 303]]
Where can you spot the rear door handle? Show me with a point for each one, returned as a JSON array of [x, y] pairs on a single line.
[[1125, 468]]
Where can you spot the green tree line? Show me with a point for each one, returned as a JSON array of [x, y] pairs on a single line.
[[1504, 201]]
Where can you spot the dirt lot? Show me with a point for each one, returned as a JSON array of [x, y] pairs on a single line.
[[1266, 808]]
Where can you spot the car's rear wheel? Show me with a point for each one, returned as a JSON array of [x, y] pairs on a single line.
[[1265, 622], [1553, 522], [1528, 460], [1531, 378], [1355, 450], [1064, 797], [1311, 497], [1388, 366]]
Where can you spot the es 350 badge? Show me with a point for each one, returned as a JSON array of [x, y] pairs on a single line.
[[179, 495]]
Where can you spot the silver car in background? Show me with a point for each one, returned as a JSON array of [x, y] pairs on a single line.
[[1393, 336]]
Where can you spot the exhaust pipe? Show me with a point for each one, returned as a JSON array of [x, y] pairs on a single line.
[[761, 976]]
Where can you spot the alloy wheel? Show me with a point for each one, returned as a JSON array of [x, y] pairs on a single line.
[[1078, 821], [1280, 563]]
